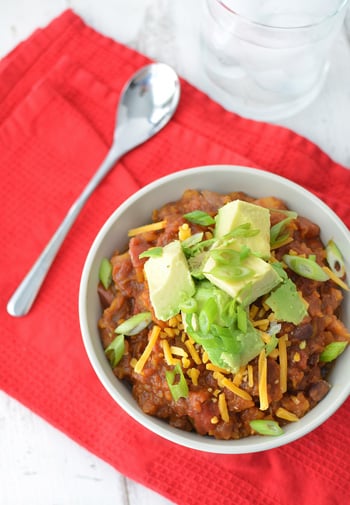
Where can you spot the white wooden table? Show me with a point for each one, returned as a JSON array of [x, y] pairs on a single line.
[[38, 464]]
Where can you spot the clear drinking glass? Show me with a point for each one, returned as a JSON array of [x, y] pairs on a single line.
[[268, 59]]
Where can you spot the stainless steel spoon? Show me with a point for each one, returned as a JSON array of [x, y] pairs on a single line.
[[147, 103]]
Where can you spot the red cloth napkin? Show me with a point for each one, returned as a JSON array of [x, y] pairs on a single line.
[[58, 94]]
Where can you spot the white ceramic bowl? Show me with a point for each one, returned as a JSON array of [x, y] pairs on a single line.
[[136, 211]]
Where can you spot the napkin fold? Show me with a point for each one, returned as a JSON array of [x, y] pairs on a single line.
[[58, 95]]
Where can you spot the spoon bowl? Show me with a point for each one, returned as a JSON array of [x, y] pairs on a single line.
[[148, 101]]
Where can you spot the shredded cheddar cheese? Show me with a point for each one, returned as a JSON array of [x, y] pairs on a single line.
[[205, 357], [193, 352], [285, 414], [287, 240], [160, 225], [263, 324], [225, 382], [214, 368], [184, 232], [223, 408], [262, 373], [262, 313], [185, 362], [250, 376], [174, 321], [171, 332], [296, 357], [336, 279], [265, 336], [170, 360], [282, 349], [237, 380], [178, 351], [254, 309], [146, 353], [193, 374], [266, 307]]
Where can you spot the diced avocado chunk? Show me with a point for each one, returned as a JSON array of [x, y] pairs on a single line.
[[258, 278], [287, 303], [237, 213], [169, 281]]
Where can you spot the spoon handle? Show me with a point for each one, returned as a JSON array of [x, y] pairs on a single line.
[[25, 295]]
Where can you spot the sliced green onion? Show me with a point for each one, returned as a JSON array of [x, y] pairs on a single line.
[[208, 315], [188, 306], [228, 313], [242, 319], [199, 217], [192, 240], [266, 427], [178, 389], [277, 229], [332, 351], [211, 308], [204, 322], [115, 350], [134, 324], [105, 273], [335, 259], [225, 256], [305, 267], [201, 246], [193, 321], [244, 252], [281, 241], [195, 264], [243, 230], [231, 273], [152, 252]]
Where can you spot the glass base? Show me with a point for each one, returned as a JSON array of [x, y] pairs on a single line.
[[250, 105]]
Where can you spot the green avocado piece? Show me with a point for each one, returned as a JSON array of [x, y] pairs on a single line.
[[237, 213], [260, 278], [169, 281], [286, 303]]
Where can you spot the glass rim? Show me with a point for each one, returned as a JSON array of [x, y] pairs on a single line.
[[248, 20]]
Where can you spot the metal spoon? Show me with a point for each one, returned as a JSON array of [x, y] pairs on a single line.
[[147, 103]]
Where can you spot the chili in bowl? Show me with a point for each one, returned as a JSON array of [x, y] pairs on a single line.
[[214, 309]]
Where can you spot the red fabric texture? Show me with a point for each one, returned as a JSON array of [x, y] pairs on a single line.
[[58, 94]]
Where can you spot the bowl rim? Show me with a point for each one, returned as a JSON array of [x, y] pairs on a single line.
[[113, 385]]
